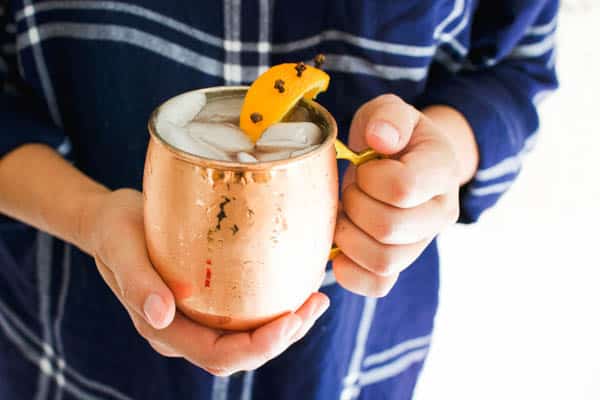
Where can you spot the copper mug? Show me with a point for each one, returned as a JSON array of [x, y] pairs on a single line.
[[241, 244]]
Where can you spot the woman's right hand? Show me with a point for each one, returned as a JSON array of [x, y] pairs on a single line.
[[113, 229]]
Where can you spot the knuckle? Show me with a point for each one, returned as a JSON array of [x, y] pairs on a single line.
[[403, 189], [217, 365], [451, 209], [160, 349], [454, 214], [384, 231], [219, 371], [104, 247], [384, 263], [161, 352], [125, 288], [389, 98], [382, 287], [265, 358], [400, 191], [145, 330]]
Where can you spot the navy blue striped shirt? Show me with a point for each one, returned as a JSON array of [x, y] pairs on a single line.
[[82, 76]]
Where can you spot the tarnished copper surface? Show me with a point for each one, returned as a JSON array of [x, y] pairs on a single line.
[[240, 244]]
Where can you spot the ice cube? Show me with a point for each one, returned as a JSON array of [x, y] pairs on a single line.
[[278, 146], [226, 137], [246, 158], [303, 151], [206, 150], [289, 135], [273, 156], [178, 137], [222, 110], [182, 109]]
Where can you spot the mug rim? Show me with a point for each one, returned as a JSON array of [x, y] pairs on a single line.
[[331, 135]]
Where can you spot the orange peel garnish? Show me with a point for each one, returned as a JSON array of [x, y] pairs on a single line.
[[276, 92]]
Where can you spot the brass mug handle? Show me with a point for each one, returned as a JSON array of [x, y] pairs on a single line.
[[342, 152]]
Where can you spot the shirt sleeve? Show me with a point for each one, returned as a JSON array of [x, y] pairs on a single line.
[[507, 70], [24, 116]]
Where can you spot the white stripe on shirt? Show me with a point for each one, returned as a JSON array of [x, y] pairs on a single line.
[[509, 165], [192, 59], [263, 46], [17, 332], [535, 49], [220, 388], [40, 63], [131, 9], [329, 278], [310, 41], [543, 29], [247, 385], [490, 189], [392, 369], [386, 355], [62, 297], [456, 11], [350, 390], [43, 270], [358, 41], [356, 65], [450, 37]]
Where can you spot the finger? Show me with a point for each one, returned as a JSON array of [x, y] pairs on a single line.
[[385, 124], [138, 284], [359, 280], [349, 176], [310, 314], [226, 353], [380, 259], [427, 168], [164, 350], [270, 340], [392, 225], [184, 337]]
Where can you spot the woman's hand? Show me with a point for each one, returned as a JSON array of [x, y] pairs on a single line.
[[113, 230], [393, 208]]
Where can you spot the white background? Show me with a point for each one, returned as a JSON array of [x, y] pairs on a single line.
[[520, 296]]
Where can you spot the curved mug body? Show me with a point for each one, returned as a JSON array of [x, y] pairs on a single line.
[[240, 244]]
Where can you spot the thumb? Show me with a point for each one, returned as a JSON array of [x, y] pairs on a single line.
[[386, 123]]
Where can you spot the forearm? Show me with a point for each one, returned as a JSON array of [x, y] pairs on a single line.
[[455, 126], [40, 188]]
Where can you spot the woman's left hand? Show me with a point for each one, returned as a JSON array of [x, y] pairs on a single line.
[[394, 207]]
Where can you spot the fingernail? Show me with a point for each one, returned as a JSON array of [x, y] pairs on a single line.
[[155, 311], [292, 326], [386, 133]]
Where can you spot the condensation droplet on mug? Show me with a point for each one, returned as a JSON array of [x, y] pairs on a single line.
[[219, 244], [199, 202]]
